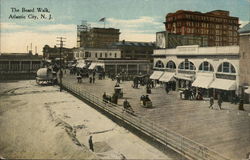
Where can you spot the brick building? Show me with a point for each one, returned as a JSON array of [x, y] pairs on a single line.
[[54, 52], [220, 28], [135, 50], [97, 37]]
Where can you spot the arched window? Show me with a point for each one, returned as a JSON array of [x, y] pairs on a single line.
[[206, 66], [186, 65], [171, 65], [226, 67], [159, 64]]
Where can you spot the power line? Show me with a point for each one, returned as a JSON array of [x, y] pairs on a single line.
[[60, 39]]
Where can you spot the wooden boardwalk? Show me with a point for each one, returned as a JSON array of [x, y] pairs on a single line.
[[226, 131]]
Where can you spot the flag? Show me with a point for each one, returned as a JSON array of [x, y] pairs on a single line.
[[102, 19]]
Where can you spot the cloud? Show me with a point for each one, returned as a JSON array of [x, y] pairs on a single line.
[[243, 23], [11, 26], [18, 41], [139, 29], [134, 22], [19, 37], [58, 27], [38, 28]]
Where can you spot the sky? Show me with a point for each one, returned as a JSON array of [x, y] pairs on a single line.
[[138, 20]]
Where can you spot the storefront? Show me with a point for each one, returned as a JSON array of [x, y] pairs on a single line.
[[183, 80], [225, 87], [202, 83], [168, 79]]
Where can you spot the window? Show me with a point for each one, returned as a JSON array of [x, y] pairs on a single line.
[[187, 65], [226, 67], [206, 66], [106, 55], [101, 55], [159, 64], [115, 55], [171, 65], [95, 55]]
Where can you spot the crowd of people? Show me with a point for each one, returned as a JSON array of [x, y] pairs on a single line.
[[190, 93]]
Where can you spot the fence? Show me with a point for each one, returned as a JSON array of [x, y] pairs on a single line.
[[183, 145]]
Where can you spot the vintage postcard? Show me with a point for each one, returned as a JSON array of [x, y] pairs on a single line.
[[125, 79]]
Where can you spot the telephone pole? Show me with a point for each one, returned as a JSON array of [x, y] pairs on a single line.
[[60, 39]]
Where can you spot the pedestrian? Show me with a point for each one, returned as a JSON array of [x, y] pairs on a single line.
[[93, 80], [90, 79], [125, 104], [219, 101], [104, 97], [241, 105], [152, 83], [115, 98], [211, 100], [91, 144], [166, 89]]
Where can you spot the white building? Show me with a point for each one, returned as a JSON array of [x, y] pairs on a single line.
[[215, 69], [96, 53]]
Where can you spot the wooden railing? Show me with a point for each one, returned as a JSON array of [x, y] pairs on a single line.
[[170, 139]]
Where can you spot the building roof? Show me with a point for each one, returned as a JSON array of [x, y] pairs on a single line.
[[19, 56], [245, 29], [130, 43], [215, 13], [195, 50]]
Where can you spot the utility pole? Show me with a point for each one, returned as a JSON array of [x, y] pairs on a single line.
[[60, 39]]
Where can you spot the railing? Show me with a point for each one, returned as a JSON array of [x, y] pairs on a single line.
[[169, 138]]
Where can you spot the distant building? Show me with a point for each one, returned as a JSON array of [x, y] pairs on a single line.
[[54, 52], [245, 60], [215, 70], [165, 39], [135, 50], [19, 66], [220, 28], [123, 66], [96, 37], [96, 53]]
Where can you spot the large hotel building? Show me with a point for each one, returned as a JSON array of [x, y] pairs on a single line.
[[220, 28]]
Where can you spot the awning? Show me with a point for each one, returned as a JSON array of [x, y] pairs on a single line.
[[93, 65], [156, 75], [184, 76], [223, 84], [167, 76], [203, 81], [80, 65], [247, 91]]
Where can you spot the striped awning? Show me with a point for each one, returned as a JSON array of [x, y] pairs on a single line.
[[247, 91], [94, 64], [156, 75], [203, 81], [167, 76], [80, 65], [223, 84]]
